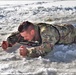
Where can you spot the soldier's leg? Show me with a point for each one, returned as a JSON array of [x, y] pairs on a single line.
[[75, 35], [67, 33], [72, 33]]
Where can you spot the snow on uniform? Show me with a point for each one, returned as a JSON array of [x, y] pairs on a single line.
[[51, 35]]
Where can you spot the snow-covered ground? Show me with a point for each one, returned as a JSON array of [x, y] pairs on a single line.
[[61, 61]]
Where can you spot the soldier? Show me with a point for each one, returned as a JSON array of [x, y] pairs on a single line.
[[42, 37]]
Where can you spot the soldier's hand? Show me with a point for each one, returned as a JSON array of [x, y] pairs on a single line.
[[4, 45], [23, 51]]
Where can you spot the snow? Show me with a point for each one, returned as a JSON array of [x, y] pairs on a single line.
[[60, 61]]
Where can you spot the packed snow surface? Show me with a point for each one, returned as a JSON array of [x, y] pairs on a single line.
[[60, 61]]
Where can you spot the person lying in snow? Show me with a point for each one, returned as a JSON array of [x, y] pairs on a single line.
[[41, 36]]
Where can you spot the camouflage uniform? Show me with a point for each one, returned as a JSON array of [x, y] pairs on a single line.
[[51, 35]]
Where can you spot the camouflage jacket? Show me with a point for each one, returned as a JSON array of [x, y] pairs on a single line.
[[50, 35]]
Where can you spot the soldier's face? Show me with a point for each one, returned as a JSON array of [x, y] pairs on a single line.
[[28, 35]]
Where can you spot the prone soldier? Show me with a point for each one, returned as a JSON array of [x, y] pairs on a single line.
[[42, 37]]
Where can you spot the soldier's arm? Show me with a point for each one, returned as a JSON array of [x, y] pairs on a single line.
[[41, 50]]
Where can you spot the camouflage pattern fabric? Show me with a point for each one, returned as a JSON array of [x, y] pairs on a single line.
[[51, 35], [67, 33]]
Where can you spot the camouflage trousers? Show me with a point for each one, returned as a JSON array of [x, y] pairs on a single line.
[[67, 33]]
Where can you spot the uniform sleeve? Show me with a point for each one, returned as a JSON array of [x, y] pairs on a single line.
[[41, 50]]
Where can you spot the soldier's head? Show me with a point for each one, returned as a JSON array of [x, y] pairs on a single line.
[[27, 30]]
